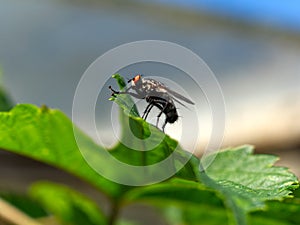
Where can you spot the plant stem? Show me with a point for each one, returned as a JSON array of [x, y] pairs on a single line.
[[13, 215], [114, 213]]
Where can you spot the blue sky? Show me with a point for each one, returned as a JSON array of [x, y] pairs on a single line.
[[284, 14]]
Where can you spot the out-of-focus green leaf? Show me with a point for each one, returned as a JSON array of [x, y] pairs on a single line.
[[183, 202], [277, 213], [126, 222], [69, 206], [176, 190], [247, 181], [29, 206], [5, 101], [47, 136], [195, 215]]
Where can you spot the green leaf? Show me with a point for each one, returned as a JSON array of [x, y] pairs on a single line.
[[195, 215], [278, 213], [190, 203], [126, 222], [183, 202], [69, 206], [184, 164], [242, 180], [5, 101], [24, 203], [248, 180], [47, 136], [124, 101], [175, 190]]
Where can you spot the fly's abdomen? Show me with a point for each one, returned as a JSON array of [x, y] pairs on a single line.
[[171, 113]]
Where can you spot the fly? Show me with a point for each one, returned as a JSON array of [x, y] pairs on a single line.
[[156, 94]]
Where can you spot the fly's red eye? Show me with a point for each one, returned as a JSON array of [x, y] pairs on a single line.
[[136, 78]]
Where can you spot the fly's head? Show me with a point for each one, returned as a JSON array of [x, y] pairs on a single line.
[[136, 81], [137, 84]]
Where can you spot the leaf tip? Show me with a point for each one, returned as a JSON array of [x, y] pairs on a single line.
[[44, 109], [120, 80], [115, 75], [111, 98]]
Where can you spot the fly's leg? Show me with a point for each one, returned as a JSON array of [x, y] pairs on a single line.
[[147, 111], [114, 92], [162, 109], [163, 126], [158, 116], [148, 108]]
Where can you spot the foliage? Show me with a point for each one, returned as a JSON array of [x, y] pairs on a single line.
[[237, 187], [5, 101]]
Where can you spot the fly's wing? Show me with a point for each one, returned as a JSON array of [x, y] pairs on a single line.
[[179, 102], [179, 96], [174, 94]]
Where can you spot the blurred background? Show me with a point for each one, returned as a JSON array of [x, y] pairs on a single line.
[[253, 48]]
